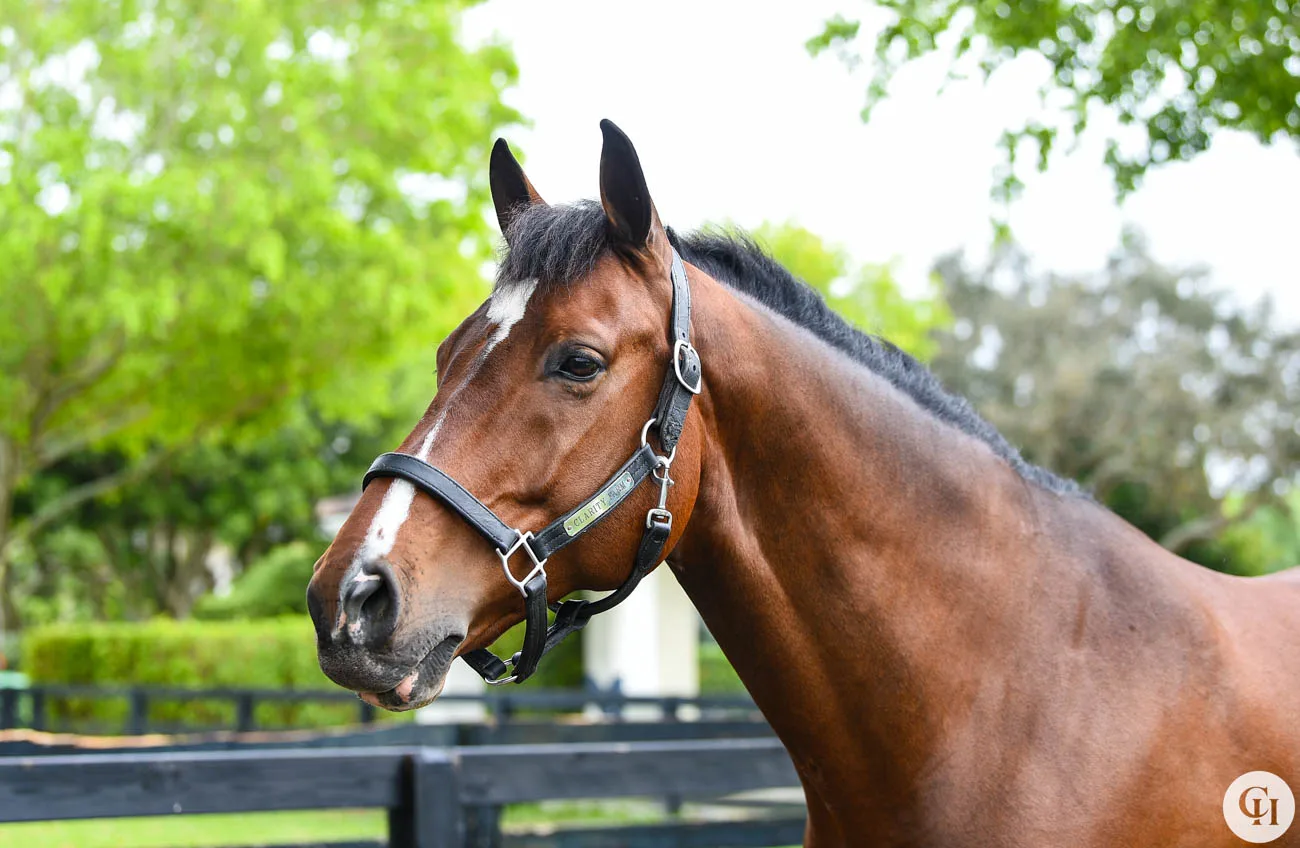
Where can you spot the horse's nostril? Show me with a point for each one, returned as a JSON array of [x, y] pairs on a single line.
[[370, 605]]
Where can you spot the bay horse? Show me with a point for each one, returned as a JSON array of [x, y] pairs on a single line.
[[956, 647]]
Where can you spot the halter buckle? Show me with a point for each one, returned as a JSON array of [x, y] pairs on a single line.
[[662, 514], [680, 346], [539, 566], [510, 678]]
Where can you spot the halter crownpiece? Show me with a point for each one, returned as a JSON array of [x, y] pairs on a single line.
[[683, 381]]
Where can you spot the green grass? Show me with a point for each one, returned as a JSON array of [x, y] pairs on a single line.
[[288, 828], [611, 811], [200, 831]]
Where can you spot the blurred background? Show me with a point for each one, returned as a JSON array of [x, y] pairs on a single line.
[[232, 236]]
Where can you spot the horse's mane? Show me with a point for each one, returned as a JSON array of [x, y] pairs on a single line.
[[561, 244]]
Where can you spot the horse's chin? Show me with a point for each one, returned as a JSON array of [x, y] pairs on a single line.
[[422, 685]]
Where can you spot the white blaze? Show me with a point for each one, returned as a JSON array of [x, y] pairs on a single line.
[[506, 306]]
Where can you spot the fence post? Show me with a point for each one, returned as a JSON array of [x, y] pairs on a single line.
[[8, 708], [483, 827], [500, 707], [614, 699], [365, 712], [138, 720], [671, 713], [38, 707], [429, 814], [244, 712]]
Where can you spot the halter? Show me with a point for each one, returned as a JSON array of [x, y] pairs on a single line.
[[682, 383]]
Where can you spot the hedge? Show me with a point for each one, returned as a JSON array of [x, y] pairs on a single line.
[[277, 653]]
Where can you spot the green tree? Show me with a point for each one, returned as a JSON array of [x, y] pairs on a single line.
[[212, 210], [1269, 538], [273, 585], [1174, 405], [147, 547], [1179, 69], [866, 295]]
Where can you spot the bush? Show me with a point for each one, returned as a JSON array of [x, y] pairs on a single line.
[[273, 653], [277, 653], [275, 584], [717, 677]]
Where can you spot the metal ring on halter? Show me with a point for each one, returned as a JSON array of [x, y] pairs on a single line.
[[501, 681], [539, 566], [645, 432]]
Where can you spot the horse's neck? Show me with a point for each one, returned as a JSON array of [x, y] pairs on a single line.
[[857, 560]]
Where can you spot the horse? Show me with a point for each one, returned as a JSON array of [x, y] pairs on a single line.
[[955, 646]]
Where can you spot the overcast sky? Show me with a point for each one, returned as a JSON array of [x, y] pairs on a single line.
[[734, 120]]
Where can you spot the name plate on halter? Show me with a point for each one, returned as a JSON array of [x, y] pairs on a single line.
[[597, 506]]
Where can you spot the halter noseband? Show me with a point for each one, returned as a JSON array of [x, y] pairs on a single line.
[[682, 383]]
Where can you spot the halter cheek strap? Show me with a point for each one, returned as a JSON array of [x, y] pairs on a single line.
[[682, 382]]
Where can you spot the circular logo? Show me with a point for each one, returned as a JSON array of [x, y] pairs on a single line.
[[1258, 806]]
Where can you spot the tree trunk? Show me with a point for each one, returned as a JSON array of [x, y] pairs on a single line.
[[189, 571]]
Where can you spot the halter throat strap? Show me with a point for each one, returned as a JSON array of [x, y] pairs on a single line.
[[682, 382]]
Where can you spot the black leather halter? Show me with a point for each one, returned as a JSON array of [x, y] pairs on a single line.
[[682, 383]]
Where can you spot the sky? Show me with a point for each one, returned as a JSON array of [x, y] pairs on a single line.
[[733, 120]]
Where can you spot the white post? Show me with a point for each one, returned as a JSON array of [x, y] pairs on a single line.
[[649, 643], [461, 680]]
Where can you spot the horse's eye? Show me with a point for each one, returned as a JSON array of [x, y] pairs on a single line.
[[579, 367]]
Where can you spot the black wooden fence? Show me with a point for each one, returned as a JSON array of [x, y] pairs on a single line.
[[431, 794], [403, 735], [31, 707]]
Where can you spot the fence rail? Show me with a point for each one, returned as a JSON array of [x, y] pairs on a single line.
[[31, 707], [404, 735], [431, 794]]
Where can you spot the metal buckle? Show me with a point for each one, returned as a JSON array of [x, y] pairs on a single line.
[[662, 514], [677, 366], [501, 681], [539, 566]]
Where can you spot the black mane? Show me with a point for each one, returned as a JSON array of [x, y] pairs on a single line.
[[559, 244]]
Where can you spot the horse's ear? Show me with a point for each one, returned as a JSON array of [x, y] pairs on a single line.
[[511, 190], [623, 191]]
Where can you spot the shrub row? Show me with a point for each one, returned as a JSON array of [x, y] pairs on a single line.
[[278, 653], [275, 653]]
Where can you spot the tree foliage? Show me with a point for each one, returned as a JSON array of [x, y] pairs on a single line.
[[273, 585], [213, 210], [150, 546], [865, 295], [1178, 69], [1177, 407]]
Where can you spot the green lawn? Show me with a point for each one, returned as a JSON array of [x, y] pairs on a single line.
[[199, 831], [231, 831], [287, 828]]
